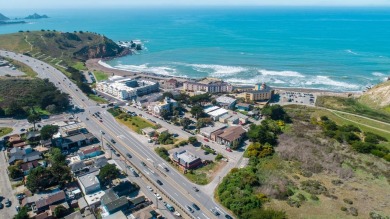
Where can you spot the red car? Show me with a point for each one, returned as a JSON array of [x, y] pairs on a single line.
[[101, 120], [228, 149], [206, 140]]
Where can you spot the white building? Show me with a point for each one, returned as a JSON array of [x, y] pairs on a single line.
[[226, 102], [218, 113], [126, 88], [168, 104], [89, 183]]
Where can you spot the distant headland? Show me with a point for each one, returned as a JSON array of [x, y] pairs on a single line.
[[4, 20], [36, 16]]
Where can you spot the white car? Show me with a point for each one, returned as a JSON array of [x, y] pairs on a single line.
[[149, 188], [158, 196], [177, 214]]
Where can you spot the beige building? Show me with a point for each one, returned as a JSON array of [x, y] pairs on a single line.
[[208, 85], [259, 93]]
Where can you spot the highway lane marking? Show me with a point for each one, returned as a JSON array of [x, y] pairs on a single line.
[[205, 216], [176, 194]]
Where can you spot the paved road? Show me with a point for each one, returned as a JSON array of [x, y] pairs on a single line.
[[174, 185], [6, 191]]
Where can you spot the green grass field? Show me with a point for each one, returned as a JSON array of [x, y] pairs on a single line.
[[100, 76], [351, 105], [136, 123], [5, 131], [80, 66], [200, 175]]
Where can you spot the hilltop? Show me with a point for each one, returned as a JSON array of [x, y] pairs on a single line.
[[3, 18], [36, 16], [378, 97], [64, 47]]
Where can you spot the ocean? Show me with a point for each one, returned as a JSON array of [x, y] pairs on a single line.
[[340, 49]]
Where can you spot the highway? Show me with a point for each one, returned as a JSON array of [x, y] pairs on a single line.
[[175, 185]]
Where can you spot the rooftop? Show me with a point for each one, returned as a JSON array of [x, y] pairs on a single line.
[[186, 156], [208, 130], [218, 112], [89, 179], [225, 99], [232, 133], [210, 109]]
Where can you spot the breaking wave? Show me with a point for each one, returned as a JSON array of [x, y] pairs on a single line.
[[218, 70], [281, 73]]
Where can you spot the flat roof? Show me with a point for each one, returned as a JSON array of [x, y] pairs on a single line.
[[210, 129], [225, 99], [218, 112], [186, 156], [89, 179], [207, 110]]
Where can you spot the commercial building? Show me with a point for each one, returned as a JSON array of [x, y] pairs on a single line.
[[186, 160], [72, 134], [127, 88], [243, 106], [170, 84], [231, 135], [207, 85], [217, 113], [113, 203], [260, 92], [226, 102], [207, 131], [89, 183]]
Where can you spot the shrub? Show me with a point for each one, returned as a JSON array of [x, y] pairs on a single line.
[[348, 201], [362, 147], [343, 208], [218, 157], [314, 197]]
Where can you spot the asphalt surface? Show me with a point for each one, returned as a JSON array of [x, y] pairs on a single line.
[[175, 185]]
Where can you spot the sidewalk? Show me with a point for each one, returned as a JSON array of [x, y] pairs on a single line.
[[6, 190]]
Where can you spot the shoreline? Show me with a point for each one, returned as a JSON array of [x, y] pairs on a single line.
[[96, 64]]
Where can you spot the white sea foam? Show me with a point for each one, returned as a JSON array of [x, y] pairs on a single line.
[[325, 80], [351, 52], [100, 62], [218, 70], [281, 73], [379, 74], [162, 70]]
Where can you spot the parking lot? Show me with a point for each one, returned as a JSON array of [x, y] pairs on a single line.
[[6, 70], [290, 97], [197, 151]]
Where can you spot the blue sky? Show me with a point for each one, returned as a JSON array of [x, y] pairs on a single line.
[[40, 4]]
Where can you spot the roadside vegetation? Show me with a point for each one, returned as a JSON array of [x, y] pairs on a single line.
[[135, 123], [23, 68], [5, 131], [97, 99], [22, 97]]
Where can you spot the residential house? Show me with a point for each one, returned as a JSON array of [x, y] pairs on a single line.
[[16, 141], [186, 159], [89, 183], [231, 135], [33, 136], [89, 153], [125, 188], [78, 167], [138, 200], [243, 106], [226, 102], [44, 203], [27, 167], [44, 215], [78, 215], [26, 155], [112, 203], [116, 215]]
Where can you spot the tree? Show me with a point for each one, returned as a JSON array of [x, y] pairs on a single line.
[[197, 111], [61, 174], [60, 211], [167, 94], [202, 122], [108, 173], [34, 118], [56, 157], [14, 172], [185, 122], [51, 108], [48, 131], [276, 112], [192, 140], [22, 214], [165, 138], [2, 112], [39, 179], [363, 147], [165, 114]]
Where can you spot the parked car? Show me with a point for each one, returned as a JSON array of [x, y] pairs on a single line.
[[20, 196], [228, 149], [159, 182], [101, 131], [17, 208], [113, 141], [228, 216], [177, 214], [7, 203], [206, 140], [1, 205], [149, 188], [195, 206]]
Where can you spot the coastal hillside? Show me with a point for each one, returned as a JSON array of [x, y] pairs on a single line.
[[62, 48], [3, 18], [378, 97]]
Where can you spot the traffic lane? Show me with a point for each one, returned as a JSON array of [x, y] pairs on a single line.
[[150, 172], [152, 157]]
